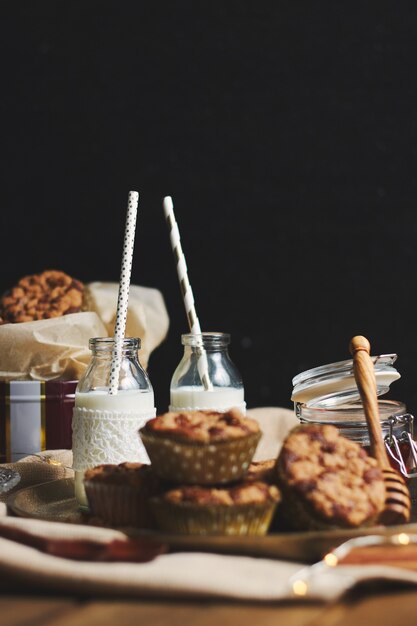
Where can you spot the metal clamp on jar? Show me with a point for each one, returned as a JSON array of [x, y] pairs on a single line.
[[329, 395]]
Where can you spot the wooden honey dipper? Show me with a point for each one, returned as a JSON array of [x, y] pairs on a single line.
[[397, 506]]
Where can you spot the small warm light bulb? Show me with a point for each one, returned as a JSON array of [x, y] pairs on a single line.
[[300, 588], [53, 462], [403, 539], [331, 560]]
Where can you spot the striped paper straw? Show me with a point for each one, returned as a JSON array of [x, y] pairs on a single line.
[[123, 297], [187, 292]]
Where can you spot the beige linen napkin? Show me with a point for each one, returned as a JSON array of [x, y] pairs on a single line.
[[182, 575], [275, 424], [179, 575]]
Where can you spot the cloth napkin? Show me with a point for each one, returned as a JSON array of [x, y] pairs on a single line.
[[179, 575]]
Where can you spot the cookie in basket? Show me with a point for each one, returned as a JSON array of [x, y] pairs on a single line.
[[42, 296], [201, 447]]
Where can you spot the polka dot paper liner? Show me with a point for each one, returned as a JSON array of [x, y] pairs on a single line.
[[119, 505], [191, 463], [187, 518]]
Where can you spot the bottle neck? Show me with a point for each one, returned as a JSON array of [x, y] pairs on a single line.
[[107, 356], [97, 375], [103, 347], [210, 342]]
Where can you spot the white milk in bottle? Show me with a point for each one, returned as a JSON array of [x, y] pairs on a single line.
[[206, 351], [105, 427]]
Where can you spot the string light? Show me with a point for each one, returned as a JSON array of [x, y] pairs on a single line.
[[300, 587], [331, 559]]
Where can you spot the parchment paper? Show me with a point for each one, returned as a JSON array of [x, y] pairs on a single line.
[[58, 347]]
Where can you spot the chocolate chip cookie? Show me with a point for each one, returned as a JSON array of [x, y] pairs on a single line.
[[327, 480]]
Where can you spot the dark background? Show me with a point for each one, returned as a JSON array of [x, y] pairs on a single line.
[[286, 133]]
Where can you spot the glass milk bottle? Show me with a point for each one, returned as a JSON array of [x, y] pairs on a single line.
[[105, 427], [226, 387]]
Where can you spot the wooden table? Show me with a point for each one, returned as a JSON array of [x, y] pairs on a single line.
[[362, 608]]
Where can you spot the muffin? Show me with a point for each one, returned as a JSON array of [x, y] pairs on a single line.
[[243, 509], [327, 481], [201, 447], [42, 296], [119, 494]]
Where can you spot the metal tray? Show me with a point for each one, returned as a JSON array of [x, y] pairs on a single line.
[[54, 501]]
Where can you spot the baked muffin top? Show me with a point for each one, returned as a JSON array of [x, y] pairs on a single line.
[[132, 474], [203, 426], [242, 493], [343, 485]]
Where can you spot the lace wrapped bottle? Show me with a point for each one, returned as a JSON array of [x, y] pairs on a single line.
[[105, 427]]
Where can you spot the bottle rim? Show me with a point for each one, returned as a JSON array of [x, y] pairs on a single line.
[[206, 339], [106, 344]]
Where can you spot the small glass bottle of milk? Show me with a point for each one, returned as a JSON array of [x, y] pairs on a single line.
[[226, 388], [105, 427]]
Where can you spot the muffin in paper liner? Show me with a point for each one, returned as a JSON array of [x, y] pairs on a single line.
[[197, 463], [122, 503], [187, 518]]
